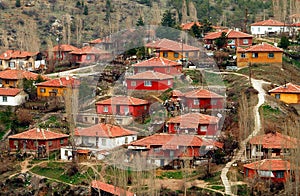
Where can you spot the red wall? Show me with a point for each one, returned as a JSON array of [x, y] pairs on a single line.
[[252, 174], [170, 70], [135, 111], [181, 152], [211, 129], [156, 85], [205, 103], [30, 144]]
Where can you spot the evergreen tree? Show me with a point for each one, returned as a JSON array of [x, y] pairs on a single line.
[[221, 41], [86, 10], [284, 42], [168, 20], [168, 27], [140, 22], [195, 31], [18, 3], [78, 4]]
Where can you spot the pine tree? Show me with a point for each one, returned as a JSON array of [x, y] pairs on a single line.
[[86, 10], [140, 22], [18, 3]]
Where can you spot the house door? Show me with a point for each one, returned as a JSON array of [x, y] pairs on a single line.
[[162, 162], [118, 109], [96, 120]]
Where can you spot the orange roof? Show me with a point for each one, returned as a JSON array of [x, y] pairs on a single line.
[[269, 22], [101, 40], [61, 82], [104, 130], [170, 45], [168, 141], [89, 50], [64, 48], [263, 47], [114, 190], [192, 120], [83, 151], [38, 134], [11, 54], [150, 75], [296, 24], [20, 74], [122, 100], [269, 165], [231, 34], [202, 93], [9, 91], [288, 88], [156, 62], [177, 93], [188, 26]]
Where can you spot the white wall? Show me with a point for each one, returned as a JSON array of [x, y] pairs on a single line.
[[63, 154], [14, 101], [261, 30]]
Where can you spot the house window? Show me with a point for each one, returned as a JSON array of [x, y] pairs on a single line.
[[171, 153], [232, 41], [0, 62], [12, 64], [62, 141], [213, 102], [245, 41], [50, 143], [133, 83], [169, 82], [133, 138], [255, 55], [66, 153], [126, 140], [168, 70], [277, 96], [103, 142], [196, 101], [165, 54], [156, 149], [35, 143], [42, 90], [126, 110], [280, 174], [16, 143], [105, 109], [54, 90], [203, 128], [258, 29], [269, 28], [243, 55], [88, 57], [30, 64], [247, 172], [6, 81], [147, 83], [145, 107], [271, 55], [176, 55], [4, 99]]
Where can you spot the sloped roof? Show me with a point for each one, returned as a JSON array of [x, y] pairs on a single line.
[[38, 134], [274, 140], [9, 91], [177, 93], [168, 141], [64, 48], [269, 165], [268, 22], [296, 24], [101, 40], [188, 26], [114, 190], [263, 47], [61, 82], [288, 88], [11, 54], [104, 130], [156, 62], [202, 93], [122, 100], [166, 44], [150, 75], [89, 50], [14, 74], [231, 34]]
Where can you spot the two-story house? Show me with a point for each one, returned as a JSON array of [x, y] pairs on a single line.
[[89, 54]]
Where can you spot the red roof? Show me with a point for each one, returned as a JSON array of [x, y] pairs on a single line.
[[156, 62], [274, 140], [288, 88], [296, 24], [11, 54], [9, 91], [64, 48], [269, 22], [114, 190], [169, 141], [202, 93], [61, 82], [170, 45], [101, 40], [38, 134], [89, 50], [188, 26], [122, 100], [177, 93], [20, 74], [150, 75], [269, 165], [104, 130], [192, 120], [231, 34], [263, 47]]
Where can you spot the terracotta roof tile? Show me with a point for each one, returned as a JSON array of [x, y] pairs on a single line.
[[269, 165], [263, 47], [11, 54], [61, 82], [114, 190], [202, 93], [192, 120], [274, 140], [9, 91], [156, 62], [89, 50], [150, 75], [38, 134], [288, 88], [166, 44], [122, 100], [188, 26], [20, 74], [64, 48], [231, 34], [101, 40], [269, 22], [104, 130], [177, 93]]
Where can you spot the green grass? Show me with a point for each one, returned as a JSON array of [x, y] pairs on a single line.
[[217, 187], [269, 112], [172, 174], [214, 179]]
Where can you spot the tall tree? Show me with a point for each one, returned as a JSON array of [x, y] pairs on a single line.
[[221, 41], [18, 3], [167, 30]]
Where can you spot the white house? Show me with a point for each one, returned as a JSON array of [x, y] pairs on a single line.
[[12, 97], [269, 26], [99, 138]]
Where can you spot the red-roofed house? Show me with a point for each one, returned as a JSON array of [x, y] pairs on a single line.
[[149, 81], [158, 64], [56, 87], [122, 108], [61, 52], [268, 27], [276, 170], [260, 54], [104, 189], [202, 99], [12, 96], [271, 145], [102, 43], [23, 60], [33, 138], [188, 26], [11, 78], [194, 123], [288, 93], [162, 149], [89, 54], [172, 50], [234, 38]]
